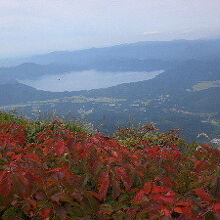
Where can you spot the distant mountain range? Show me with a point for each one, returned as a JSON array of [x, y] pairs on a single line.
[[150, 50], [141, 56], [186, 95]]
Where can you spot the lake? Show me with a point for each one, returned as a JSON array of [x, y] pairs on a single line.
[[86, 80]]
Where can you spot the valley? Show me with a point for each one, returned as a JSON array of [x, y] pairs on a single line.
[[185, 95]]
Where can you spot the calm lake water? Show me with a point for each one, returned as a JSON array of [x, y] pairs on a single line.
[[85, 80]]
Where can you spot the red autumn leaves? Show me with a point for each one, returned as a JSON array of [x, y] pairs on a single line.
[[67, 175]]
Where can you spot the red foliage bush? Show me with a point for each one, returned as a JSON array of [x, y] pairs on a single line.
[[68, 175]]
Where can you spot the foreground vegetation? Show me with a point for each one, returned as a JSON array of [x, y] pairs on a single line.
[[50, 170]]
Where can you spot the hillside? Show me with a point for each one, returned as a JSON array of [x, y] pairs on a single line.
[[184, 96], [17, 93], [50, 171]]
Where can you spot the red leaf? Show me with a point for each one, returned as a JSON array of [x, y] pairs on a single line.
[[103, 185], [15, 156], [148, 187], [60, 148], [166, 212], [107, 212], [125, 177], [197, 163], [10, 154], [159, 189], [178, 210], [33, 203], [24, 180], [139, 196], [200, 192], [187, 211], [184, 204], [34, 157], [167, 182], [77, 146], [45, 213], [217, 207], [5, 183], [61, 173], [55, 170], [165, 199]]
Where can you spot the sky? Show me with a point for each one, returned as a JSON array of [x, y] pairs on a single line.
[[39, 26]]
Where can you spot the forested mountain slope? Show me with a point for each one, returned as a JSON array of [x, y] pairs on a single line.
[[184, 96]]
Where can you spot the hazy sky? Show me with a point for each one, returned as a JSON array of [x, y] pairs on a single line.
[[37, 26]]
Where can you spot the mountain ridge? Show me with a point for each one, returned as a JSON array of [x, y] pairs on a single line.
[[162, 50]]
